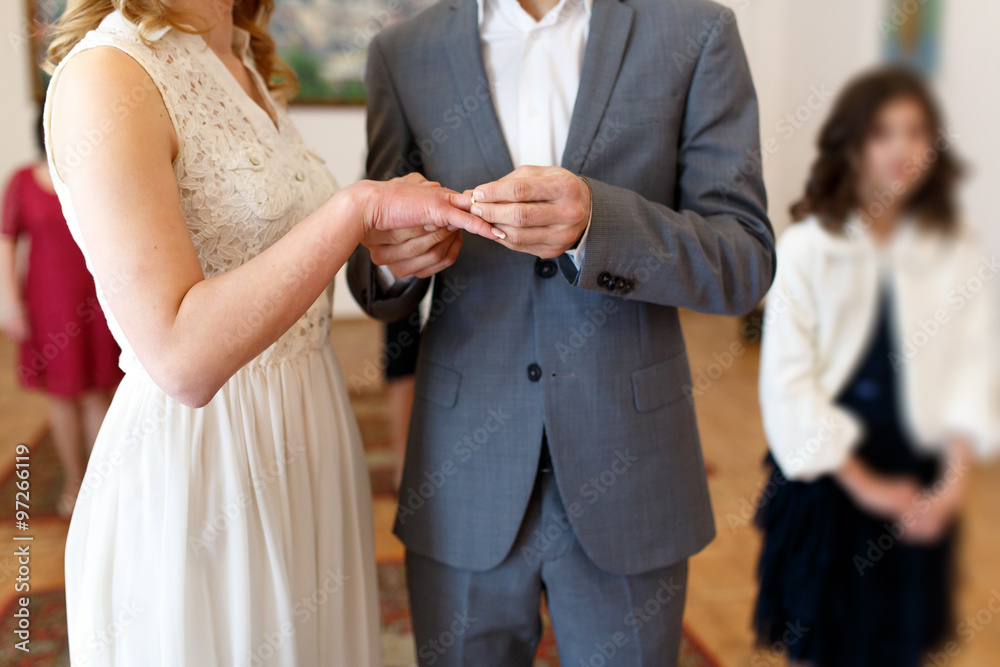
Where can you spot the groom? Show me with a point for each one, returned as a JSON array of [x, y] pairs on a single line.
[[614, 143]]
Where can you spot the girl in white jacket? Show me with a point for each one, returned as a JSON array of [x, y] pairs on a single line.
[[876, 387]]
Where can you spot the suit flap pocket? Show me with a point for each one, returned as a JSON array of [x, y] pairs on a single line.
[[660, 384], [437, 384]]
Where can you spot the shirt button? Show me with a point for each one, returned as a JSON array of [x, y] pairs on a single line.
[[255, 161], [532, 110], [300, 176], [546, 268], [534, 372]]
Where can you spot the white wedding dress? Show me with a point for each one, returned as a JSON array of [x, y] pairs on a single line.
[[239, 533]]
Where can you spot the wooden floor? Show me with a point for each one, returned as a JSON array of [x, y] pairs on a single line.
[[721, 590]]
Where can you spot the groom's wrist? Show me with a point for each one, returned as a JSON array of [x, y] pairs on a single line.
[[387, 282]]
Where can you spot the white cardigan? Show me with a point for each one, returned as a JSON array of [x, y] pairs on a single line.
[[820, 320]]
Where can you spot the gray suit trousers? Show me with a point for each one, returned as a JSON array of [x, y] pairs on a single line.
[[464, 617]]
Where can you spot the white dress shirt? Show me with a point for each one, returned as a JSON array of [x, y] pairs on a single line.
[[533, 68], [534, 72]]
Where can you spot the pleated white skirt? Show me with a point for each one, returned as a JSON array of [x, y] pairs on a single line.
[[235, 534]]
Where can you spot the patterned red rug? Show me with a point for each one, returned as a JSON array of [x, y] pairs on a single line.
[[49, 645], [48, 609]]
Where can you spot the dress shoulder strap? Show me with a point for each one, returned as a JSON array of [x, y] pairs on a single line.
[[158, 57]]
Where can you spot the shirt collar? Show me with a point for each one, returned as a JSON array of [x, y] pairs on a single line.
[[567, 4], [241, 42]]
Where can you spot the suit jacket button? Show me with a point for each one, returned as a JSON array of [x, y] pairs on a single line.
[[546, 268], [606, 280], [534, 372], [625, 285]]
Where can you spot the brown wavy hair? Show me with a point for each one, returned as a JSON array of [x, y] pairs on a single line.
[[81, 16], [832, 190]]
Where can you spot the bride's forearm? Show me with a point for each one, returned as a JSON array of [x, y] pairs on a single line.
[[225, 321]]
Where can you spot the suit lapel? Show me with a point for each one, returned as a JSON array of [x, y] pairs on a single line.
[[610, 24], [466, 58]]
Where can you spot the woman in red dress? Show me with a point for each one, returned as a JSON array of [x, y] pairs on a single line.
[[66, 349]]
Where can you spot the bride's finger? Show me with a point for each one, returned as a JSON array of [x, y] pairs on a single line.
[[449, 215], [457, 215], [460, 200], [473, 225]]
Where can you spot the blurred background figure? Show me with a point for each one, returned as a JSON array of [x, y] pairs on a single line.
[[874, 386], [66, 349]]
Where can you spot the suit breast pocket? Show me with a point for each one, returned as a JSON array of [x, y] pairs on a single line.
[[638, 137], [637, 111]]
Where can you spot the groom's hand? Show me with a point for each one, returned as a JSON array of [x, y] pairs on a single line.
[[544, 211]]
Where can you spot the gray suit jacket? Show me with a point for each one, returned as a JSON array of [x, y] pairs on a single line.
[[665, 130]]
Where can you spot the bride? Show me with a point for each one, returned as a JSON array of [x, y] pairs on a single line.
[[225, 517]]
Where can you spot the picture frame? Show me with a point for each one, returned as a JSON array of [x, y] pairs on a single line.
[[39, 17], [325, 42], [911, 34]]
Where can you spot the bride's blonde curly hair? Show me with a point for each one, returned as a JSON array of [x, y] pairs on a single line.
[[82, 16]]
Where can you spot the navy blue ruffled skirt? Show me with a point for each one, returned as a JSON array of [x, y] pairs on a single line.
[[837, 588]]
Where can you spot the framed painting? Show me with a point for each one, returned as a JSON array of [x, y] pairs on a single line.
[[911, 34], [326, 43], [39, 16]]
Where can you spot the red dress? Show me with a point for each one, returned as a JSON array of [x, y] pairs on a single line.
[[70, 349]]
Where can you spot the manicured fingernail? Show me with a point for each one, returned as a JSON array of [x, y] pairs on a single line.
[[430, 228], [479, 195], [497, 233], [477, 211], [452, 228]]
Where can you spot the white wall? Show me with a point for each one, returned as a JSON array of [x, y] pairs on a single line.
[[17, 144], [338, 135], [969, 77], [794, 46]]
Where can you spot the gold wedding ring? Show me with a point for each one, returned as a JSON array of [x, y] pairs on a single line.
[[473, 198]]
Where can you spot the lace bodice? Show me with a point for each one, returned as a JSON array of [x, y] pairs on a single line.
[[244, 175]]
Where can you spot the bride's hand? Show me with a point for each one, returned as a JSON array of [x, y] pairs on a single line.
[[411, 202], [414, 251]]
